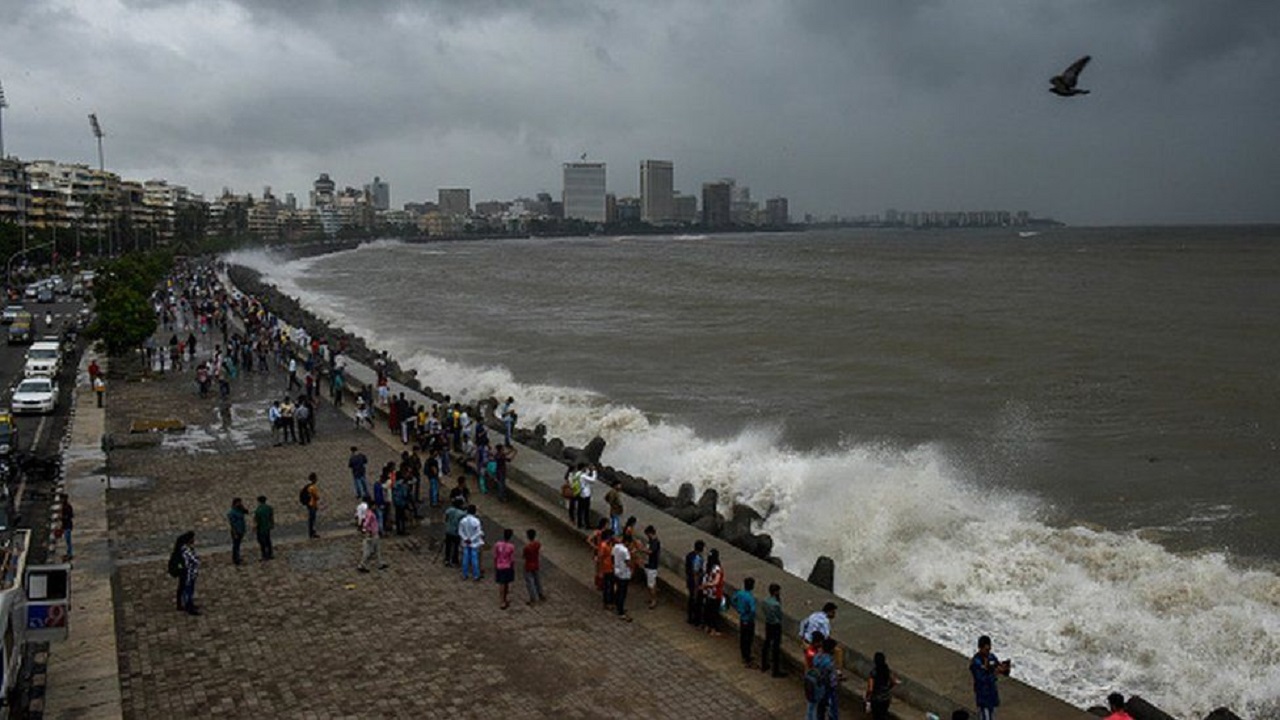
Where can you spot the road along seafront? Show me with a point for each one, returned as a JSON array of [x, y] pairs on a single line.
[[935, 678]]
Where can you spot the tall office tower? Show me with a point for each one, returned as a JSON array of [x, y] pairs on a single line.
[[716, 201], [777, 212], [379, 193], [584, 191], [455, 202], [322, 191], [657, 192], [685, 208]]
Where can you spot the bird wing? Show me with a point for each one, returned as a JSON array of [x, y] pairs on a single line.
[[1072, 74], [1058, 83]]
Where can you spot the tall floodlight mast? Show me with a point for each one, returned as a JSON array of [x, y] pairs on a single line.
[[97, 132], [3, 104]]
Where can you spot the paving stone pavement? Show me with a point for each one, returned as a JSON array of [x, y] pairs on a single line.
[[307, 636]]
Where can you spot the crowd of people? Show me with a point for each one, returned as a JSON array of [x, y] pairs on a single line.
[[410, 489]]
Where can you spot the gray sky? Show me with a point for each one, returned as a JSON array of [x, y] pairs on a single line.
[[843, 106]]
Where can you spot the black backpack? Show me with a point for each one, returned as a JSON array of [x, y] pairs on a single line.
[[304, 495], [176, 566]]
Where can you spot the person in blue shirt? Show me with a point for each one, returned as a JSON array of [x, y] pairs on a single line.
[[745, 604], [986, 669]]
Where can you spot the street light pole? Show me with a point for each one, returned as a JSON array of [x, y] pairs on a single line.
[[3, 104], [8, 267]]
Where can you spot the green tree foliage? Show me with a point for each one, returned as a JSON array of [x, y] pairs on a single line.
[[121, 290]]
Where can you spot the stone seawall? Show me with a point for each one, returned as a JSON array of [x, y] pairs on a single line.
[[934, 677]]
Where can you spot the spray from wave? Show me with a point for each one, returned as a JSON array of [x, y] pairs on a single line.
[[1083, 612]]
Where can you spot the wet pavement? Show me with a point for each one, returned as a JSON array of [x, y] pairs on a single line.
[[306, 635]]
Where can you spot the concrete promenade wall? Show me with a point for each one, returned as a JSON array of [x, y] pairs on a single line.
[[934, 678]]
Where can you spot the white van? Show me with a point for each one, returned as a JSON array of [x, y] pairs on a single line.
[[44, 359]]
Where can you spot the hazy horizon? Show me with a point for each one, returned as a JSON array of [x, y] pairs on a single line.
[[843, 108]]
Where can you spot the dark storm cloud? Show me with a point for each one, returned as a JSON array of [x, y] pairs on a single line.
[[843, 106]]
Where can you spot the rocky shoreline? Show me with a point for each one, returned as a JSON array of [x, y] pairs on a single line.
[[702, 512]]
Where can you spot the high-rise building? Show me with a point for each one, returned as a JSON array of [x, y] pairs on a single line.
[[322, 191], [776, 212], [379, 193], [15, 192], [584, 191], [685, 208], [657, 192], [716, 203], [455, 202]]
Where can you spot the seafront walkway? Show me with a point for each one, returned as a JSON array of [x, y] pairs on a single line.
[[306, 635]]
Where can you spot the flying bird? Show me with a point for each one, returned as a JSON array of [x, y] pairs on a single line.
[[1065, 84]]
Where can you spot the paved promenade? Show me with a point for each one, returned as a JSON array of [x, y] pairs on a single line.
[[306, 635]]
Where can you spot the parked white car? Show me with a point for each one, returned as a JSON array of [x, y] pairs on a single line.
[[35, 395]]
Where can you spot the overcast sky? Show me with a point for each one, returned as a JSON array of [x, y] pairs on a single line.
[[844, 106]]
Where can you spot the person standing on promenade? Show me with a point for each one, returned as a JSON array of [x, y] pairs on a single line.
[[502, 458], [771, 651], [819, 683], [572, 490], [652, 556], [621, 577], [818, 622], [452, 541], [508, 415], [67, 522], [712, 593], [287, 425], [302, 416], [432, 470], [586, 479], [986, 669], [1115, 703], [613, 499], [264, 521], [370, 542], [293, 375], [471, 533], [237, 518], [693, 563], [504, 567], [744, 602], [99, 389], [359, 465], [880, 684], [604, 565], [274, 419], [533, 567], [190, 570], [311, 494]]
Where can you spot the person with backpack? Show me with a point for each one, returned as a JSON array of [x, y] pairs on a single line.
[[820, 682], [880, 684], [309, 497], [184, 564], [264, 521]]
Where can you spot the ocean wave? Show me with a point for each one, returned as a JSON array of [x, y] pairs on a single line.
[[1082, 611]]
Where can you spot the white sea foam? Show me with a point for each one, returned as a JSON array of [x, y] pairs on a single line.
[[1081, 611]]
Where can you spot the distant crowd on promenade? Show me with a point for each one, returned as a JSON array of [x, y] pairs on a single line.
[[445, 446]]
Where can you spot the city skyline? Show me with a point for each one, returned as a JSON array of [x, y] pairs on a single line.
[[845, 109]]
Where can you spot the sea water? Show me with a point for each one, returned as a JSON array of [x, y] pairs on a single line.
[[1067, 442]]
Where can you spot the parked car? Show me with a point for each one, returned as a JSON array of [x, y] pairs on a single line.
[[37, 395]]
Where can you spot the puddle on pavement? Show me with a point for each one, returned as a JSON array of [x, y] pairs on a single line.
[[229, 428], [125, 482]]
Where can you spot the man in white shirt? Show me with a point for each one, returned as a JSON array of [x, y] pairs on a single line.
[[471, 534], [819, 621], [369, 531], [585, 479], [621, 577]]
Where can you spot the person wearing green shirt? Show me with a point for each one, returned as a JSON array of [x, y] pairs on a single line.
[[771, 651], [264, 521], [236, 520], [452, 541]]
